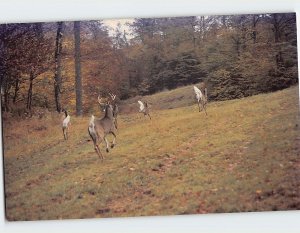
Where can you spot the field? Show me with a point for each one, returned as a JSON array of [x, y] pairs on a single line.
[[243, 156]]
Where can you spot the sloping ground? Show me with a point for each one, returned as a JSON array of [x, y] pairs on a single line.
[[244, 156], [180, 97]]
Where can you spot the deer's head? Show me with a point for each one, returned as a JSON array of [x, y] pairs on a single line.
[[105, 101]]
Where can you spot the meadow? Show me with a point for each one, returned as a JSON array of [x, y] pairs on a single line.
[[243, 156]]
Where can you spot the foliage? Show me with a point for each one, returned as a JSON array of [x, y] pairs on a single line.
[[180, 71], [236, 55]]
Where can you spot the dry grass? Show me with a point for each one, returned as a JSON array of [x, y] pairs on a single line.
[[180, 97], [243, 157]]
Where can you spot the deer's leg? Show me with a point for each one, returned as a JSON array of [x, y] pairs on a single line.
[[204, 107], [64, 132], [199, 106], [149, 116], [114, 140], [96, 144], [116, 123], [97, 149], [68, 129], [106, 142], [67, 133]]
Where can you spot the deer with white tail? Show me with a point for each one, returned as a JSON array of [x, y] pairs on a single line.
[[112, 99], [66, 124], [144, 108], [99, 128], [201, 96]]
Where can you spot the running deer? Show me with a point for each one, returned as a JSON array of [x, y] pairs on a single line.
[[115, 108], [201, 98], [112, 99], [65, 125], [144, 108], [99, 128]]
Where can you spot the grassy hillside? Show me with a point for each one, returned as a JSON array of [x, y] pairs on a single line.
[[243, 156], [180, 97]]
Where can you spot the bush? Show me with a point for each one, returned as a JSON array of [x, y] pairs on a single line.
[[227, 85], [280, 78]]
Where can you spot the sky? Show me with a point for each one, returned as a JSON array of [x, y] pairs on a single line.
[[112, 24]]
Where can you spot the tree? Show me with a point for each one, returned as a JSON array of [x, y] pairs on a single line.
[[144, 28], [180, 71], [78, 85], [57, 58], [255, 20], [11, 60], [236, 55], [25, 55], [37, 54], [120, 40]]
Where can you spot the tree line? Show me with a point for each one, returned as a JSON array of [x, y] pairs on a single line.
[[68, 64]]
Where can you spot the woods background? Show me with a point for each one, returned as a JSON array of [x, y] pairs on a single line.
[[237, 56]]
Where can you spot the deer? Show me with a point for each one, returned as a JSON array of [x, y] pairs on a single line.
[[201, 98], [66, 124], [103, 101], [99, 128], [144, 108], [115, 108]]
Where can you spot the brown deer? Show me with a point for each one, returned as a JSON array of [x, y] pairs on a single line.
[[66, 124], [144, 108], [115, 108], [103, 102], [201, 96], [99, 128]]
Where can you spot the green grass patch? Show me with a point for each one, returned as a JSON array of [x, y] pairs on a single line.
[[243, 156]]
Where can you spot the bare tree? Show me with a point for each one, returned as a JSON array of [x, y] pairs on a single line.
[[78, 85], [57, 57], [37, 55]]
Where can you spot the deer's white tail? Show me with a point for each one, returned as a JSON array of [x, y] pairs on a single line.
[[91, 129], [92, 123], [66, 121]]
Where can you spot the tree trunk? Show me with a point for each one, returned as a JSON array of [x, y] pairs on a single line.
[[276, 29], [237, 43], [17, 88], [29, 94], [57, 75], [279, 60], [4, 94], [255, 19], [6, 101], [78, 85], [223, 20]]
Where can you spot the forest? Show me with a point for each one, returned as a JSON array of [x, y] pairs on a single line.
[[68, 64]]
